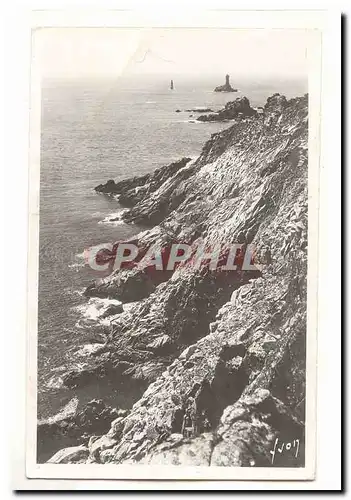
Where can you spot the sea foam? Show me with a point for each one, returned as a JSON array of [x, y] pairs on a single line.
[[92, 312], [114, 218]]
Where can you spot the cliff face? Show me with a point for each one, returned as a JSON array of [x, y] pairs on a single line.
[[223, 353]]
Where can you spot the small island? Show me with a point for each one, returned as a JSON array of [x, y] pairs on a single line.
[[226, 87]]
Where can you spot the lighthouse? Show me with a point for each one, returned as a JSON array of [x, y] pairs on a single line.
[[226, 87]]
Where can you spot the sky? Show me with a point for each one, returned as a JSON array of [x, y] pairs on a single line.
[[99, 52]]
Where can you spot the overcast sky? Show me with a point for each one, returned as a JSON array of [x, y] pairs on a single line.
[[99, 52]]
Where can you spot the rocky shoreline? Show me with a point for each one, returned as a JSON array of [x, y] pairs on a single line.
[[220, 354]]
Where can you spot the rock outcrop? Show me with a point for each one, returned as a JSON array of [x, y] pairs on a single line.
[[226, 87], [74, 430], [222, 353], [141, 186], [233, 110], [200, 110], [72, 455]]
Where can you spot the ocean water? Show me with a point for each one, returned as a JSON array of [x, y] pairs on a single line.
[[92, 131]]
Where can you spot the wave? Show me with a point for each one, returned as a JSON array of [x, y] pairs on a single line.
[[74, 292], [94, 310], [129, 306], [87, 349], [55, 382], [188, 121], [79, 261], [114, 218], [68, 410], [110, 195], [76, 265]]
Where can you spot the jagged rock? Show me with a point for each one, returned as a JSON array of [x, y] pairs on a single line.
[[152, 210], [244, 438], [73, 455], [276, 102], [238, 109], [117, 426], [105, 366], [134, 282], [199, 110], [248, 429], [100, 444], [160, 342], [95, 418], [108, 188], [273, 108], [133, 190], [112, 310], [226, 87], [181, 452], [79, 377], [127, 285], [116, 188]]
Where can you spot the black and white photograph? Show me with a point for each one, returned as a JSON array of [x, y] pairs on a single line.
[[174, 190]]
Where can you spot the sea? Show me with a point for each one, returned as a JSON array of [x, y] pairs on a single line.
[[93, 130]]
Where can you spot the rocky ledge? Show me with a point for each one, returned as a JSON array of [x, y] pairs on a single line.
[[222, 354]]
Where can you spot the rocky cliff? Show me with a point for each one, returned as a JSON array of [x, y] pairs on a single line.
[[222, 353]]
